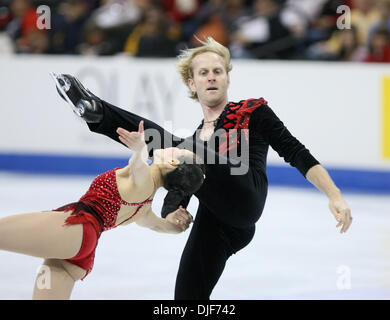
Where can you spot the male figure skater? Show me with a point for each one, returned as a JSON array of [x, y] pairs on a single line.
[[229, 204]]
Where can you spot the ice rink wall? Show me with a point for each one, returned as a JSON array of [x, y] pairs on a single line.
[[339, 111]]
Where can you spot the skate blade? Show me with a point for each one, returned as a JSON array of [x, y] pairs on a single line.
[[59, 87]]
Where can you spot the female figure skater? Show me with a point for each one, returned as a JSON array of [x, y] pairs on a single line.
[[67, 237]]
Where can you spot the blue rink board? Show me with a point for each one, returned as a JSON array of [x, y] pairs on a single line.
[[372, 181]]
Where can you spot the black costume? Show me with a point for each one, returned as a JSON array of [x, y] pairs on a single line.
[[229, 205]]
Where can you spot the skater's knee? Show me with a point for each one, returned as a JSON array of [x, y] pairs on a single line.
[[55, 281], [75, 272], [69, 271]]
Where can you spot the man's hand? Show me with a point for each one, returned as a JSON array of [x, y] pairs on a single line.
[[341, 212], [134, 140], [319, 177], [181, 218]]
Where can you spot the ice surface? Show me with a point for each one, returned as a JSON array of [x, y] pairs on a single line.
[[297, 252]]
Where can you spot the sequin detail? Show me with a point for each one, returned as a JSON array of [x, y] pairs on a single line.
[[104, 194]]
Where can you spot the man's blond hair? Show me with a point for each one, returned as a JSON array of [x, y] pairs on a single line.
[[186, 56]]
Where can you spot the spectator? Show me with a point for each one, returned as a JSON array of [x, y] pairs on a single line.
[[257, 29], [298, 14], [384, 20], [263, 35], [379, 48], [39, 42], [111, 24], [95, 41], [350, 49], [154, 36], [231, 12], [179, 11], [218, 19], [364, 16], [67, 26], [322, 26], [213, 27], [208, 23], [23, 22], [114, 13], [5, 17], [182, 13]]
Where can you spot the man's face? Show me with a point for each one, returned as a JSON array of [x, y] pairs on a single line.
[[210, 80]]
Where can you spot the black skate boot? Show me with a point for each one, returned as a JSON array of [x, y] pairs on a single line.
[[85, 104]]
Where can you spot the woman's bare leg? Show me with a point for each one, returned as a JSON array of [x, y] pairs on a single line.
[[41, 234], [56, 280]]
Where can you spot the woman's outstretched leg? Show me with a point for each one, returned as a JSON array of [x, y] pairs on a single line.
[[45, 235], [41, 234]]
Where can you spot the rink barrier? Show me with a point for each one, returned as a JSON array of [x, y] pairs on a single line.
[[354, 180]]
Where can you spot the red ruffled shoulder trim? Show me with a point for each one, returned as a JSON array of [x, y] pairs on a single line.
[[237, 118]]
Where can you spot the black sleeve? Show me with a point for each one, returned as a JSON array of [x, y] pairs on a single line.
[[282, 141], [172, 202]]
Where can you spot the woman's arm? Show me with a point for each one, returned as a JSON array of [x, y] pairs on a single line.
[[151, 221], [139, 169]]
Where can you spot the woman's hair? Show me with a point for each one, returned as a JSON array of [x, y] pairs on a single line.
[[186, 56], [187, 178]]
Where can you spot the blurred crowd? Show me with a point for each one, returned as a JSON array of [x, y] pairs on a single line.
[[332, 30]]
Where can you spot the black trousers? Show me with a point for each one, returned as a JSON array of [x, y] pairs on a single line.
[[229, 206]]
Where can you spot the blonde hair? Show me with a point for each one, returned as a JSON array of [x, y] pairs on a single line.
[[186, 56]]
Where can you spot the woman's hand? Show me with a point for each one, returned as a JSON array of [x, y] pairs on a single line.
[[181, 218], [134, 140]]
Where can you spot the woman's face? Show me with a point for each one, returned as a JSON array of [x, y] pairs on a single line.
[[170, 156]]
